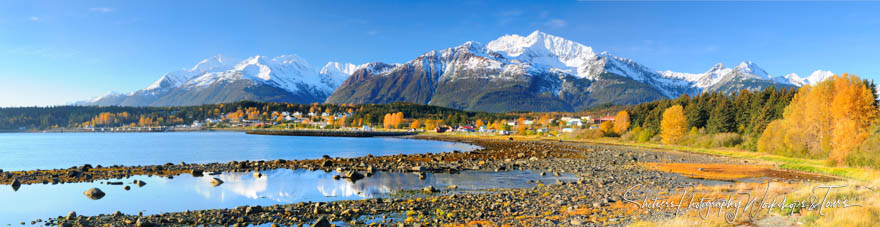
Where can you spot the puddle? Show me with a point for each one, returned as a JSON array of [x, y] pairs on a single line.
[[281, 186]]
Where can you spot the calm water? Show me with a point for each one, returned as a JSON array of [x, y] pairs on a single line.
[[280, 186], [28, 151]]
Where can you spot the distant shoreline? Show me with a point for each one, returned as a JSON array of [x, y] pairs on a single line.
[[328, 133]]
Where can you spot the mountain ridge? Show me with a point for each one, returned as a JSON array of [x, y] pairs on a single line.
[[535, 72]]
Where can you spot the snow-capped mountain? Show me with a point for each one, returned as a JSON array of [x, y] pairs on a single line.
[[286, 78], [536, 72], [814, 78]]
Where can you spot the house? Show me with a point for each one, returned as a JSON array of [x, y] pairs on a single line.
[[297, 114], [366, 128], [543, 130], [528, 122], [570, 121], [465, 129], [567, 130]]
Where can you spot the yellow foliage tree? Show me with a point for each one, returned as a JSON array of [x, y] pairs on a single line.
[[673, 125], [606, 128], [827, 120], [430, 125], [621, 122]]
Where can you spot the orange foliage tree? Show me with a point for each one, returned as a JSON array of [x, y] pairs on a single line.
[[827, 120]]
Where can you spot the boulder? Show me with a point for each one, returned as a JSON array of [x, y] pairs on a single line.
[[15, 184], [94, 193], [197, 173], [71, 215], [429, 189], [216, 182], [253, 209], [139, 183], [321, 222], [353, 175], [258, 175]]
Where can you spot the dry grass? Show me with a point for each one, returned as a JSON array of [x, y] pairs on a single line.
[[712, 171]]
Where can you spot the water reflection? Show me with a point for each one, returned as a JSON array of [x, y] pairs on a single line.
[[281, 186]]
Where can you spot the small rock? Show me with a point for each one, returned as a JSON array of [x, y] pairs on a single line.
[[258, 175], [418, 169], [429, 189], [94, 193], [452, 187], [197, 173], [71, 215], [127, 187], [139, 183], [216, 182]]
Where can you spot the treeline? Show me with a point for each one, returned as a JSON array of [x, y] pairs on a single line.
[[744, 112], [38, 118], [835, 120]]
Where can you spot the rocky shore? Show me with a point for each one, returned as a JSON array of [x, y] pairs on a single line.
[[604, 173], [330, 133]]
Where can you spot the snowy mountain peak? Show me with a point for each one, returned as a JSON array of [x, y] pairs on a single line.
[[334, 73], [334, 67], [819, 76], [718, 67], [209, 63], [177, 78], [548, 50], [751, 69]]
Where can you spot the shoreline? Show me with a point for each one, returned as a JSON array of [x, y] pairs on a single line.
[[329, 133]]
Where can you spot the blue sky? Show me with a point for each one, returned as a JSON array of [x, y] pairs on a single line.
[[55, 52]]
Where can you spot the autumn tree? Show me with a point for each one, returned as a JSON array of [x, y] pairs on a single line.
[[521, 125], [621, 122], [430, 125], [607, 128], [415, 124], [828, 120], [673, 125], [478, 123]]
